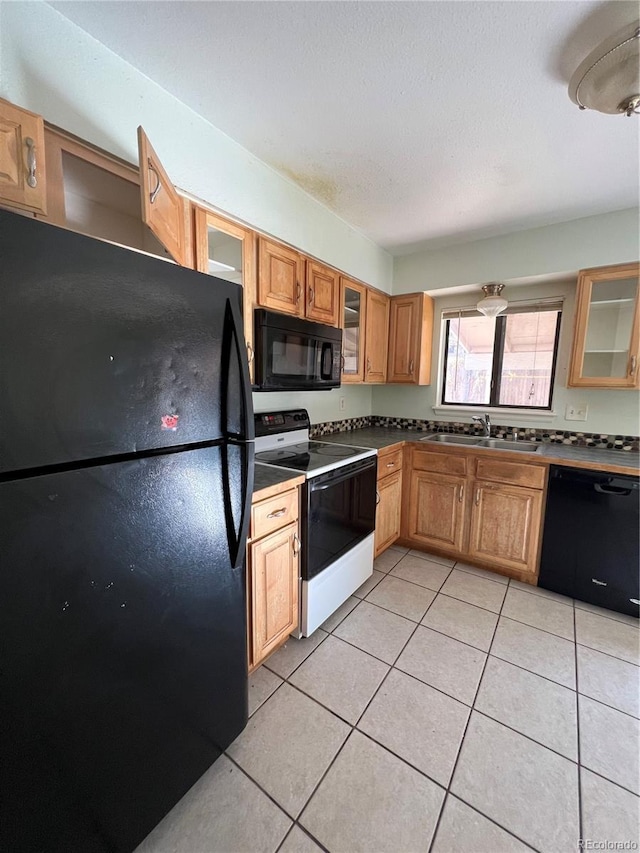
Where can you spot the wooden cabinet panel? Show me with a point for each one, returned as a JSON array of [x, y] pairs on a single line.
[[388, 511], [23, 178], [440, 463], [505, 525], [270, 514], [273, 573], [353, 301], [436, 511], [410, 337], [162, 207], [606, 338], [227, 250], [280, 277], [376, 337], [515, 473], [322, 298]]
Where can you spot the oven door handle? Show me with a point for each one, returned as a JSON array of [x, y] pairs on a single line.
[[340, 478]]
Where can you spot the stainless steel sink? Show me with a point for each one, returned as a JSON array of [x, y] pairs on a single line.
[[479, 441], [448, 438]]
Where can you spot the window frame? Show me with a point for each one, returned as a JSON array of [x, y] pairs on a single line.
[[497, 361]]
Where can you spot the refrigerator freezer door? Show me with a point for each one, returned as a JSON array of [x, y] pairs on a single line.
[[106, 351], [123, 653]]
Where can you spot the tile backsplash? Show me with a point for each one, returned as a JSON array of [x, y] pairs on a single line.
[[577, 439]]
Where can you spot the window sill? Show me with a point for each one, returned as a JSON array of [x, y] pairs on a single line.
[[466, 412]]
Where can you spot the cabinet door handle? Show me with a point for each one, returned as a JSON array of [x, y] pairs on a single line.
[[277, 513], [411, 366], [633, 365], [310, 296], [377, 497], [461, 494], [154, 193], [250, 353], [298, 291], [477, 496], [342, 363], [32, 180], [296, 545], [368, 365]]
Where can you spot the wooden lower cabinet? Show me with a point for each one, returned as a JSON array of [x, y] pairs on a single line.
[[436, 511], [492, 516], [388, 511], [505, 525], [273, 571]]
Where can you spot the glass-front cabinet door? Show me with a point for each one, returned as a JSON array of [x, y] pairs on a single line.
[[606, 345], [354, 298], [226, 250]]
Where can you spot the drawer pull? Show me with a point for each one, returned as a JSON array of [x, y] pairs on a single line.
[[599, 583], [391, 464], [277, 513], [461, 494], [296, 545]]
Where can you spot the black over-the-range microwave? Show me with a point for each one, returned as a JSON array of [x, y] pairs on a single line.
[[294, 354]]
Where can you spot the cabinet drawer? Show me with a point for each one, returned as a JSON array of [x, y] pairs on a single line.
[[439, 463], [273, 513], [514, 473], [389, 462]]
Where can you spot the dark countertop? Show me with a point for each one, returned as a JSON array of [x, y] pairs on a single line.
[[265, 476], [619, 461]]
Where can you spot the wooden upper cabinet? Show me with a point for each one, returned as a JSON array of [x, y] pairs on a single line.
[[410, 337], [162, 207], [376, 337], [280, 277], [23, 178], [353, 302], [606, 340], [227, 250], [322, 296]]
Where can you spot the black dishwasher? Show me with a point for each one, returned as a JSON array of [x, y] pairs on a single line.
[[591, 541]]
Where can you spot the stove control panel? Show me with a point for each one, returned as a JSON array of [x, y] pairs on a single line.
[[268, 423]]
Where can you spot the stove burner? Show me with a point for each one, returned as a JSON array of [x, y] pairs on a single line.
[[283, 456]]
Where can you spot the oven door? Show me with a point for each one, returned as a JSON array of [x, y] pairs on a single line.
[[340, 511]]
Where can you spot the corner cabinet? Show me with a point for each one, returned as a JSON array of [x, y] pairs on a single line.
[[272, 572], [410, 337], [23, 180], [376, 337], [388, 498], [606, 341]]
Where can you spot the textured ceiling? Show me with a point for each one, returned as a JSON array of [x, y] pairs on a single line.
[[419, 123]]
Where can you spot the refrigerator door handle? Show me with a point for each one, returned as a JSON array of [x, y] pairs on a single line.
[[235, 364], [237, 532]]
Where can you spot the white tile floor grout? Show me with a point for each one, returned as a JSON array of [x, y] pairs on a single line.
[[497, 789]]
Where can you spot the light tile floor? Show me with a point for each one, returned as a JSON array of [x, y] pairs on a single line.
[[440, 709]]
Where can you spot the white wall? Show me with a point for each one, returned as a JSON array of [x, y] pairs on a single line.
[[611, 238], [609, 412], [51, 66]]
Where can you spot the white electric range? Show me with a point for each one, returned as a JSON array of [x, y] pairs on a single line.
[[338, 509]]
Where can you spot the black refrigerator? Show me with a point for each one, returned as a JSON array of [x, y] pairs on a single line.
[[126, 472]]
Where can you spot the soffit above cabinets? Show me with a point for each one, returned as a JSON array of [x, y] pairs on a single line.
[[419, 123]]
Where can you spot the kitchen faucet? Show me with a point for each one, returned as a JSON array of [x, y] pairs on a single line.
[[485, 421]]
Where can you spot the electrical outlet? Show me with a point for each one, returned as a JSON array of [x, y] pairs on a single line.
[[576, 412], [342, 404]]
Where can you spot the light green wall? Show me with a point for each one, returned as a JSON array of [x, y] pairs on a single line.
[[51, 66], [608, 411], [611, 238]]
